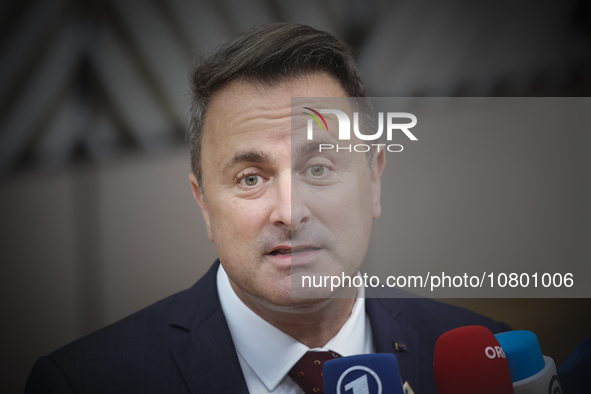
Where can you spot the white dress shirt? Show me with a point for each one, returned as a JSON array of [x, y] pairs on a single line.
[[266, 354]]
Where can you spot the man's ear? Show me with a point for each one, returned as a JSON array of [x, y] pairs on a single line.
[[200, 198], [379, 164]]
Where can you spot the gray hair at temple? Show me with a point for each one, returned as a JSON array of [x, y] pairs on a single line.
[[268, 54]]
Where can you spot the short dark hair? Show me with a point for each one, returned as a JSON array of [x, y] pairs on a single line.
[[267, 54]]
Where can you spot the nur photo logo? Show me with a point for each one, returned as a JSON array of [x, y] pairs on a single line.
[[392, 120]]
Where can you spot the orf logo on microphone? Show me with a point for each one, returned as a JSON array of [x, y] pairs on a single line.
[[493, 352], [359, 379]]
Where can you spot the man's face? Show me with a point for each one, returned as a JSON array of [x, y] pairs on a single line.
[[269, 208]]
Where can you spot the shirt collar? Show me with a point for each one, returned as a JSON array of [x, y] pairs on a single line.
[[270, 352]]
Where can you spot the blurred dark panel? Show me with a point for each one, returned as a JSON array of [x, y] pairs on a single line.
[[405, 48]]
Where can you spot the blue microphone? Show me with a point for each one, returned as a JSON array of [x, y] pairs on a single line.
[[364, 374], [531, 371]]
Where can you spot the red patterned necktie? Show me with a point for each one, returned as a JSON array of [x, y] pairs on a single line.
[[307, 372]]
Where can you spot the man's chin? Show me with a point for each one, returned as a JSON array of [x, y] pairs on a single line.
[[287, 297], [299, 304], [306, 299], [301, 294]]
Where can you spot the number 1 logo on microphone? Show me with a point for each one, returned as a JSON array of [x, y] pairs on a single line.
[[359, 380]]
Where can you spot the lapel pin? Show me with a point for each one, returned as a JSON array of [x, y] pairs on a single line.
[[400, 346], [407, 389]]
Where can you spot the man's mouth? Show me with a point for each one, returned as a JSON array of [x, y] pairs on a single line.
[[292, 252]]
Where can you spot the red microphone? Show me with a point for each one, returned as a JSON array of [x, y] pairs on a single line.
[[470, 360]]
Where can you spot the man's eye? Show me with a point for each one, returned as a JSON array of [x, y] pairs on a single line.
[[317, 170], [251, 180]]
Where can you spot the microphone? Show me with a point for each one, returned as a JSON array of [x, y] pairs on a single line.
[[363, 374], [470, 360], [531, 371]]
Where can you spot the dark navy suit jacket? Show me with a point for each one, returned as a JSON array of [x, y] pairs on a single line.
[[182, 344]]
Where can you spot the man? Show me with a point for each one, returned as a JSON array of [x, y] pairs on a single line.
[[273, 206]]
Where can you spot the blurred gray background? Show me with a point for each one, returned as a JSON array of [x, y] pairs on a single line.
[[96, 214]]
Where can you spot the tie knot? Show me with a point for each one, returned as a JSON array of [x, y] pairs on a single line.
[[307, 372]]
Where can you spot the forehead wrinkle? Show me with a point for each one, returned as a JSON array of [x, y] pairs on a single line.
[[256, 109], [249, 119], [267, 112]]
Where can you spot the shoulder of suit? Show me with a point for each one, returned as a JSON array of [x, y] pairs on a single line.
[[148, 326], [439, 315]]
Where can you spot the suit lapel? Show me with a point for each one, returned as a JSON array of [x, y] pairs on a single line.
[[202, 346], [205, 355], [387, 332]]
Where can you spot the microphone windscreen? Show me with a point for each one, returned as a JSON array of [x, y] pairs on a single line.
[[367, 373], [470, 360], [531, 371], [523, 353]]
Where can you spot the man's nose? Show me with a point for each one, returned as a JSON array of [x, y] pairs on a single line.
[[287, 207]]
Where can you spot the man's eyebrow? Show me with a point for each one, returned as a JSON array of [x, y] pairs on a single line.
[[250, 156]]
